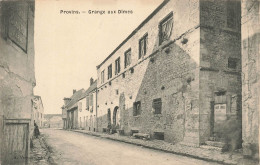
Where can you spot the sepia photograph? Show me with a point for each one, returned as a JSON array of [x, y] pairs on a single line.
[[120, 82]]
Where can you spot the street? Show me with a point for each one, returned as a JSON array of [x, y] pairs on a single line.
[[76, 148]]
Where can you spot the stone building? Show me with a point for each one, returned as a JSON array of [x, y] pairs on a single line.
[[87, 108], [53, 121], [177, 76], [38, 111], [250, 76], [70, 108], [17, 80]]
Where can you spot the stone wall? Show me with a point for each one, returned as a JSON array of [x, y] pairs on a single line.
[[219, 44], [17, 77], [250, 77], [168, 71]]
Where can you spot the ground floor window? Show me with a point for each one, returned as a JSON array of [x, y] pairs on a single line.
[[157, 106], [137, 108]]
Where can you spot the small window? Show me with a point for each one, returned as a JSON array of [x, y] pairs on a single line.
[[143, 46], [232, 63], [158, 135], [137, 108], [102, 77], [165, 28], [117, 64], [127, 58], [109, 71], [157, 106]]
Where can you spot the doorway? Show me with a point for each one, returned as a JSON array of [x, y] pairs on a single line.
[[108, 118], [116, 116], [15, 142]]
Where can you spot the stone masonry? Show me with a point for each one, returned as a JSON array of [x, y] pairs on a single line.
[[197, 69], [17, 79], [250, 77]]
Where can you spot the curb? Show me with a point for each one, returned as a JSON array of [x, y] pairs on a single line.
[[158, 149], [49, 151]]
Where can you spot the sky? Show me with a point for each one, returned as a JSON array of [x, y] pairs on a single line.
[[68, 47]]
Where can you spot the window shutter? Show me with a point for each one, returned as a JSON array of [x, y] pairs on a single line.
[[87, 103], [91, 100]]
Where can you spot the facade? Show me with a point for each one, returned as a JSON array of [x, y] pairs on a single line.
[[64, 113], [87, 108], [17, 80], [250, 77], [70, 108], [53, 121], [38, 111], [177, 76]]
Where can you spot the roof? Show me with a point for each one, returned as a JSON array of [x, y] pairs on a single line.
[[39, 97], [47, 116], [75, 97], [90, 89], [138, 28]]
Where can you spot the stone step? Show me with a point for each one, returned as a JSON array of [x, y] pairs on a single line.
[[215, 144], [210, 147]]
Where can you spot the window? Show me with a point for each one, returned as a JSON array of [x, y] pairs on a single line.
[[233, 8], [232, 63], [102, 77], [157, 106], [165, 28], [137, 108], [91, 102], [143, 46], [80, 106], [127, 58], [87, 102], [109, 71], [117, 64]]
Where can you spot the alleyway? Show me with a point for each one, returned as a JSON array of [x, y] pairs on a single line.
[[76, 148]]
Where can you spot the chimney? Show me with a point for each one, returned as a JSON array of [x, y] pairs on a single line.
[[66, 100], [91, 81], [74, 91]]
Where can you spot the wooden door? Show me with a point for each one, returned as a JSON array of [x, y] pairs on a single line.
[[15, 143]]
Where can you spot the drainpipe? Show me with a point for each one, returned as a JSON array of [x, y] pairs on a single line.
[[96, 112]]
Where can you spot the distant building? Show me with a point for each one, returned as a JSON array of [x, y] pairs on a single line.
[[17, 80], [87, 108], [70, 110], [79, 111], [53, 120], [38, 111]]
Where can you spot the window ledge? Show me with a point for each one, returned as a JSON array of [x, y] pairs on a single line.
[[137, 116], [158, 114]]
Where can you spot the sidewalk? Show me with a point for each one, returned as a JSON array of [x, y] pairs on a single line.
[[195, 152], [40, 152]]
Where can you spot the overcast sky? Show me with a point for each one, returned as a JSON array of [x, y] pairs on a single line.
[[68, 47]]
